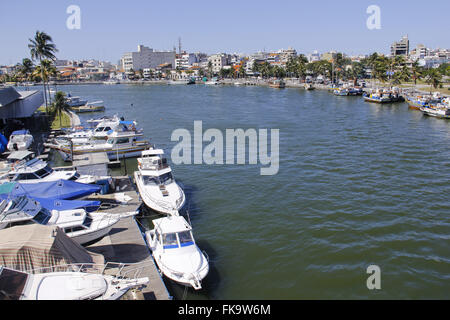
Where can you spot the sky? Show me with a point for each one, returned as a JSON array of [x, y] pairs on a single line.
[[111, 28]]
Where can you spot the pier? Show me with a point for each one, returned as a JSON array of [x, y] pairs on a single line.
[[125, 243]]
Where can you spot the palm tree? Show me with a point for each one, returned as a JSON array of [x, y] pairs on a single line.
[[210, 68], [26, 68], [416, 71], [433, 78], [60, 105], [45, 70], [41, 47]]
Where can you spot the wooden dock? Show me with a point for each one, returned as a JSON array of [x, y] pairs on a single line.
[[125, 242]]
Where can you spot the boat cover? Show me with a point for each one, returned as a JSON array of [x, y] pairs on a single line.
[[60, 189], [33, 246], [3, 143], [56, 204], [20, 132]]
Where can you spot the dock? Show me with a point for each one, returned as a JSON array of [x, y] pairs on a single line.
[[125, 243]]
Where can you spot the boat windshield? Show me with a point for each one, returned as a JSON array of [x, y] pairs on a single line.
[[150, 181], [166, 178], [43, 216], [170, 241], [12, 283], [43, 172], [185, 238]]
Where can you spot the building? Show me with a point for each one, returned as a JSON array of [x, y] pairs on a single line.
[[315, 56], [287, 54], [218, 61], [146, 58], [400, 48], [185, 60], [19, 104]]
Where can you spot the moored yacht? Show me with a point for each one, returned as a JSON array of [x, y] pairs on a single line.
[[70, 282], [176, 253], [83, 227], [156, 184], [119, 145], [20, 140], [279, 84]]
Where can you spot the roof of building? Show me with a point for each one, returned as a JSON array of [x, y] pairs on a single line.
[[8, 95]]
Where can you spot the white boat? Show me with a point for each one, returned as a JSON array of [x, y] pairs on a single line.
[[439, 110], [69, 282], [96, 106], [37, 170], [118, 146], [111, 81], [176, 253], [102, 131], [156, 184], [75, 101], [81, 226], [12, 159], [20, 140], [212, 82], [178, 81]]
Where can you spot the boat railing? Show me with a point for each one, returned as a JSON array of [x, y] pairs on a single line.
[[116, 269]]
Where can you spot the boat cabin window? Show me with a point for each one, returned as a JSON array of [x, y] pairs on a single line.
[[87, 221], [12, 283], [43, 172], [166, 178], [170, 241], [185, 238], [25, 176], [150, 181], [43, 216], [122, 140]]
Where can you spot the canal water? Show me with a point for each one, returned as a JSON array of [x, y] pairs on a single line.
[[359, 184]]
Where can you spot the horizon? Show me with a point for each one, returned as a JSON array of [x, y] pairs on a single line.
[[108, 30]]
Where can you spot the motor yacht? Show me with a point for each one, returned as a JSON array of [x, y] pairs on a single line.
[[20, 140]]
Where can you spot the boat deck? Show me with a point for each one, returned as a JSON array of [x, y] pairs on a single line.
[[126, 244]]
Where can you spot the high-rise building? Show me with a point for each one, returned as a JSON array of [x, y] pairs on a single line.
[[400, 48], [146, 58]]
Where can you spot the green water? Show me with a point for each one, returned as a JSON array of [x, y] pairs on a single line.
[[358, 184]]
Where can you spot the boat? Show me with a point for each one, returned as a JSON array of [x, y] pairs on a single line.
[[75, 101], [191, 80], [111, 82], [54, 190], [90, 107], [213, 82], [37, 171], [418, 101], [13, 158], [156, 184], [81, 226], [341, 92], [439, 110], [280, 84], [176, 253], [69, 282], [309, 86], [178, 81], [383, 96], [20, 140], [119, 145]]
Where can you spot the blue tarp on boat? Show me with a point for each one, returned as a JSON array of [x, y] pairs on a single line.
[[20, 132], [3, 143], [56, 204], [61, 190]]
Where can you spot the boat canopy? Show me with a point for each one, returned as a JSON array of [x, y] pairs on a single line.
[[36, 246], [19, 155], [60, 189], [57, 204]]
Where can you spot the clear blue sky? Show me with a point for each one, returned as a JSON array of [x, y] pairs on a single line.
[[110, 28]]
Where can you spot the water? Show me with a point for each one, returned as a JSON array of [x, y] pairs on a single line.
[[358, 184]]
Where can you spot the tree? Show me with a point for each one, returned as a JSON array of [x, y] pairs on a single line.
[[45, 70], [416, 71], [26, 68], [433, 78], [210, 69], [41, 47], [60, 105], [241, 71]]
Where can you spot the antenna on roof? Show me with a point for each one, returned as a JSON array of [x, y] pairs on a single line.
[[179, 45]]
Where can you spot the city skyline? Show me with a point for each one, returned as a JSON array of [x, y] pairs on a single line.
[[108, 30]]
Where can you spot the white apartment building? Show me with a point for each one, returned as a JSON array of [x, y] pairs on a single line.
[[185, 60], [146, 58], [315, 56], [218, 61]]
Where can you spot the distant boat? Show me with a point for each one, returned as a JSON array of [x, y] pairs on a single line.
[[279, 84], [178, 81], [212, 82], [383, 96], [20, 140], [439, 110], [90, 107], [75, 101], [111, 82], [418, 101], [309, 86]]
